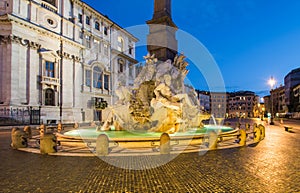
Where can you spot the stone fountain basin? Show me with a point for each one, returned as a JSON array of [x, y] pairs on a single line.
[[83, 137]]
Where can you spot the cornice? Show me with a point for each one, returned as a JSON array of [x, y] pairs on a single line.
[[68, 56], [162, 21], [105, 18], [19, 40], [43, 31], [121, 54], [32, 26], [4, 18]]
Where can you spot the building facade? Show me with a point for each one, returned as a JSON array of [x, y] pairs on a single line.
[[267, 103], [295, 100], [62, 57], [204, 100], [278, 105], [243, 104], [291, 80], [218, 104]]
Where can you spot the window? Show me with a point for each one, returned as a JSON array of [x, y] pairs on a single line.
[[121, 66], [88, 74], [50, 21], [105, 31], [130, 50], [87, 20], [80, 18], [120, 44], [88, 41], [49, 69], [97, 25], [49, 97], [97, 77], [106, 82], [80, 35]]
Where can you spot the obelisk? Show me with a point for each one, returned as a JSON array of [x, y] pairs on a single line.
[[161, 40]]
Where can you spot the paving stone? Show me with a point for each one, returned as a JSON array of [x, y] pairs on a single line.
[[271, 166]]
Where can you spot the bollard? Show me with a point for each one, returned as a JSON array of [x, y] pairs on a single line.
[[165, 147], [238, 125], [42, 129], [227, 123], [48, 143], [102, 145], [254, 125], [18, 139], [27, 130], [247, 126], [262, 131], [93, 124], [242, 137], [59, 127], [76, 125], [212, 140], [257, 134]]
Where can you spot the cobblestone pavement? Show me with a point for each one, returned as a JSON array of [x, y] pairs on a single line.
[[271, 166]]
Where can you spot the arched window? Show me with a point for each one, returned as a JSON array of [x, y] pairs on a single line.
[[97, 77], [121, 66], [120, 44], [49, 97]]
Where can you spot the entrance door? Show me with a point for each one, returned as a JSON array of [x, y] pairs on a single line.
[[98, 115]]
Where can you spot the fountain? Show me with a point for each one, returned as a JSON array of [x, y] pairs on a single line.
[[157, 103]]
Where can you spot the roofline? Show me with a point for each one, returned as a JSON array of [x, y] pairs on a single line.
[[112, 23]]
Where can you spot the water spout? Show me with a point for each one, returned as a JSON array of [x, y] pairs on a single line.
[[214, 120]]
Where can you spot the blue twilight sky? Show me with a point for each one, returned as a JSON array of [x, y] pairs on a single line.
[[250, 40]]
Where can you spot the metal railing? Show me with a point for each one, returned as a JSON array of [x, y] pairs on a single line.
[[19, 116]]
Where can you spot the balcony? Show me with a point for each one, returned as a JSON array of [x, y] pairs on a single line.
[[49, 7], [50, 81]]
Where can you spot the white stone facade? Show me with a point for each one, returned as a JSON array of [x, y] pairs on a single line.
[[61, 56]]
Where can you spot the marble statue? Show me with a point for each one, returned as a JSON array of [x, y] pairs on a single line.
[[157, 101]]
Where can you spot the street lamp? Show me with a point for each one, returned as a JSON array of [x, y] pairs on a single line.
[[272, 82]]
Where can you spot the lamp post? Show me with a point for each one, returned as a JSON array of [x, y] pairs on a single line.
[[272, 82], [263, 113]]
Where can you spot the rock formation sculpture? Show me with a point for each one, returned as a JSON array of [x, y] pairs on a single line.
[[158, 102]]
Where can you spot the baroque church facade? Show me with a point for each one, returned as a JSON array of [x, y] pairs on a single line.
[[63, 57]]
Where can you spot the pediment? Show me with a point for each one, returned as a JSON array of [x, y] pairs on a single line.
[[49, 55]]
